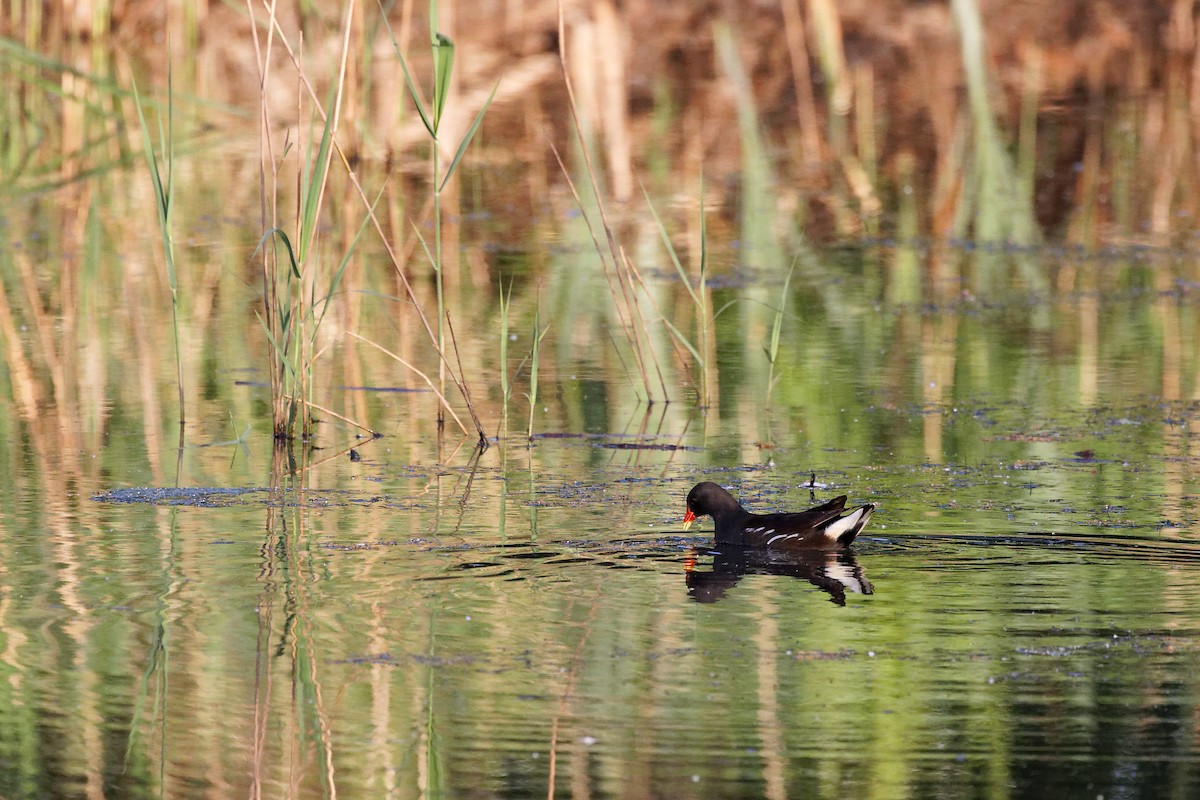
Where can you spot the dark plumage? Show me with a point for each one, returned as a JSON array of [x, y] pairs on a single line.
[[822, 527]]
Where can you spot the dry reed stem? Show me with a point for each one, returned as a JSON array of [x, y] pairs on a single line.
[[621, 293], [806, 107], [626, 324], [466, 394], [424, 377], [614, 97], [353, 178], [827, 28], [630, 274], [614, 249], [641, 282], [323, 410], [268, 207]]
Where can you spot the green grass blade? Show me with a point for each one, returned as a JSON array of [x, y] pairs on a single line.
[[505, 305], [666, 240], [538, 335], [167, 145], [679, 337], [777, 325], [279, 233], [425, 246], [725, 308], [433, 19], [416, 98], [280, 349], [408, 80], [443, 66], [315, 185], [462, 147], [336, 281], [162, 200]]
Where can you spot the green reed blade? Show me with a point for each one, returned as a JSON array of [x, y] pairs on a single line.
[[413, 92], [443, 66], [505, 305], [538, 334], [279, 349], [162, 196], [462, 147], [666, 240], [772, 350], [437, 266], [336, 280], [679, 337], [164, 201], [314, 183], [280, 234]]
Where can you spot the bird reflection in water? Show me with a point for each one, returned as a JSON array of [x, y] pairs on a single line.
[[832, 571]]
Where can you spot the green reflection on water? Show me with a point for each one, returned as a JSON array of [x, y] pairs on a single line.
[[411, 628]]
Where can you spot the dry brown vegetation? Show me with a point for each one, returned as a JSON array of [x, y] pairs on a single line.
[[859, 102], [834, 120]]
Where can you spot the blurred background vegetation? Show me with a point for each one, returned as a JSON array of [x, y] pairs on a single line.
[[967, 132], [1080, 115]]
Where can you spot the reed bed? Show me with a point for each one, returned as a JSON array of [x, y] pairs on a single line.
[[955, 73], [789, 160]]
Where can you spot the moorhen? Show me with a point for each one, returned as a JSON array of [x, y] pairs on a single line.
[[823, 527]]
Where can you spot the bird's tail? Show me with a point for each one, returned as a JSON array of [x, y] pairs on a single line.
[[844, 529]]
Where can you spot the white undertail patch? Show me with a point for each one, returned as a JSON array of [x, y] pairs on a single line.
[[851, 522]]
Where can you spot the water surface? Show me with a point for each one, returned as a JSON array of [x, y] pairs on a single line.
[[1018, 619]]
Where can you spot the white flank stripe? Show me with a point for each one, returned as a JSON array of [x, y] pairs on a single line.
[[779, 536]]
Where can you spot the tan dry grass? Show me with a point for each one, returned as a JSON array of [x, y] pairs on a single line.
[[821, 74]]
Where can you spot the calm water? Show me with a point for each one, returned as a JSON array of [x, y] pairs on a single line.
[[1020, 619]]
